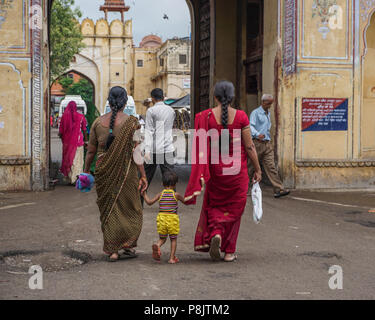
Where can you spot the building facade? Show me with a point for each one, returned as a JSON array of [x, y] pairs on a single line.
[[316, 57], [107, 59], [145, 65], [173, 68]]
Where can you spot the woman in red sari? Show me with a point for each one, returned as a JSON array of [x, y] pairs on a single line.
[[72, 132], [224, 173]]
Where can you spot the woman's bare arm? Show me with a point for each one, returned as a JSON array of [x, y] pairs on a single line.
[[90, 155], [86, 136], [252, 153]]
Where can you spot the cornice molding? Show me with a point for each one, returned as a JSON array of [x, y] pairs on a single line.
[[14, 161], [335, 163]]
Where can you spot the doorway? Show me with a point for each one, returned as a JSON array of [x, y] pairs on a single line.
[[254, 52]]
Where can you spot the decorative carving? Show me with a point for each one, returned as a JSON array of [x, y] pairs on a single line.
[[37, 107], [12, 161], [322, 8], [366, 6], [4, 6], [290, 41], [117, 28], [336, 164]]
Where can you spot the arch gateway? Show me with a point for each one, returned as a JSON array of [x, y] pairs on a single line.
[[314, 56]]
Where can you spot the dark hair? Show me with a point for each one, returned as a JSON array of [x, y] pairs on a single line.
[[170, 178], [157, 94], [117, 99], [224, 92]]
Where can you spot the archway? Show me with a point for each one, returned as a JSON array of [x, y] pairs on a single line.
[[71, 84], [200, 12], [57, 89], [115, 33], [30, 54]]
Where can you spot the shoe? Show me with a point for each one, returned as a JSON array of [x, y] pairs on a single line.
[[281, 193], [131, 253], [156, 252], [174, 260], [215, 248], [232, 259]]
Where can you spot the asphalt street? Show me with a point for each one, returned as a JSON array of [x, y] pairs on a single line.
[[287, 256]]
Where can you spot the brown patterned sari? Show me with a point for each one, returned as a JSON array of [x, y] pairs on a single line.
[[116, 178]]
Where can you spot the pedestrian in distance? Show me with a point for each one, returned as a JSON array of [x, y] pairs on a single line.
[[168, 222], [260, 121], [159, 147], [73, 135], [118, 185]]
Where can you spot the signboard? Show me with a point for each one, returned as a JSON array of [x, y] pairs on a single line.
[[324, 114], [186, 83], [289, 47]]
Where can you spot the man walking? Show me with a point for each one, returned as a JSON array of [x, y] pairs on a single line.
[[159, 139], [260, 122]]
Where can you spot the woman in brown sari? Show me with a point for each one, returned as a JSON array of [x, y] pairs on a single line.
[[116, 176]]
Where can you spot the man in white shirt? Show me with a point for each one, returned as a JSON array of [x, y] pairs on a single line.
[[159, 147]]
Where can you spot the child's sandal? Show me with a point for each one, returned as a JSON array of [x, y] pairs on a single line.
[[174, 260], [156, 252]]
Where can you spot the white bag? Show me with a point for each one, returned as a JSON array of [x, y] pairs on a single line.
[[256, 196]]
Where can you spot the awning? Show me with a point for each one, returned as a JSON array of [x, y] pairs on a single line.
[[183, 102]]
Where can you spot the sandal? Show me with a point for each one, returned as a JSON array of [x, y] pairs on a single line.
[[156, 252], [130, 252], [110, 259], [234, 258], [215, 248], [174, 260]]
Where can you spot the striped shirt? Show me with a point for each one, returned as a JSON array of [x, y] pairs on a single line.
[[168, 202]]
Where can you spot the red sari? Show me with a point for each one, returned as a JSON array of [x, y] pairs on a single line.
[[71, 127], [226, 194]]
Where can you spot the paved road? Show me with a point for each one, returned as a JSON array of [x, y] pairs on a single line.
[[287, 256]]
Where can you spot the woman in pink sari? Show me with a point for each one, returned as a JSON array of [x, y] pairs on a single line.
[[71, 127], [224, 173]]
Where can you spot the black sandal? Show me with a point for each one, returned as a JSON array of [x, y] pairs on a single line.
[[130, 252]]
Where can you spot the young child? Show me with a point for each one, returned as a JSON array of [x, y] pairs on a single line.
[[168, 222]]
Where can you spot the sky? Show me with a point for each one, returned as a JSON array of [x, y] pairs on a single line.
[[147, 17]]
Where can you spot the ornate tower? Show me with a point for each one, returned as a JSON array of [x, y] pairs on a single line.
[[114, 6]]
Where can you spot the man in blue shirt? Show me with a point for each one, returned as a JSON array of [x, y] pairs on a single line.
[[260, 122]]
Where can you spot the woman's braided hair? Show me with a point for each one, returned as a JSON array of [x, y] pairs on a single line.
[[117, 99], [224, 93]]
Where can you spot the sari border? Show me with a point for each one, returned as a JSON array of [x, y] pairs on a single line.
[[196, 193], [203, 247]]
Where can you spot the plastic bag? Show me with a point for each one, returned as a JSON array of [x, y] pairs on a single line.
[[256, 196]]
